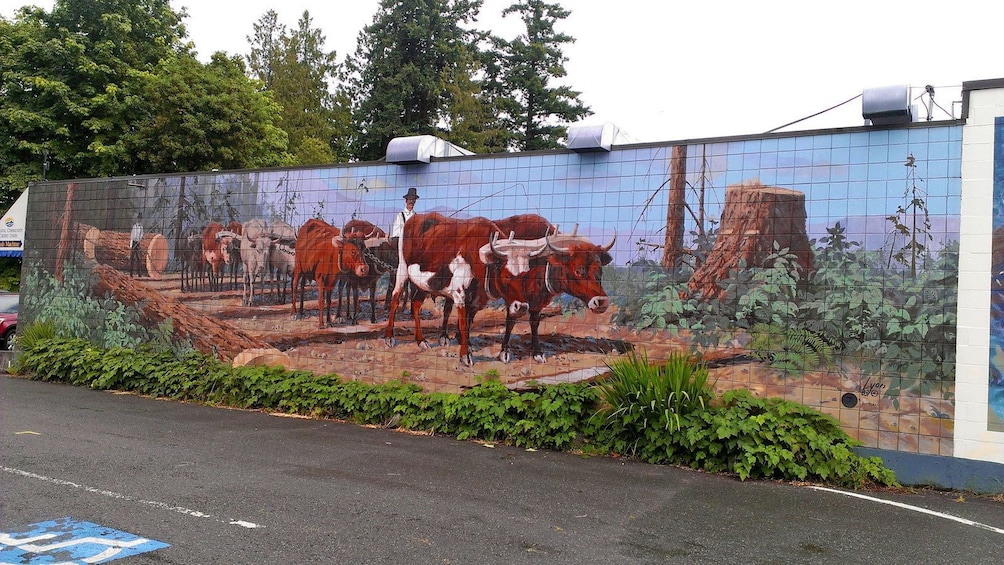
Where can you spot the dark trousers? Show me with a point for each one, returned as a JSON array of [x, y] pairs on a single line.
[[135, 265]]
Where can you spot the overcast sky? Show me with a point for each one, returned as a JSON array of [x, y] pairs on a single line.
[[664, 70]]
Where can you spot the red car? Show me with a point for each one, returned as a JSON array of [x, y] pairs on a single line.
[[8, 318]]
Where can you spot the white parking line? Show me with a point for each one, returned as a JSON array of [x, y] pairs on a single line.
[[914, 508], [119, 496]]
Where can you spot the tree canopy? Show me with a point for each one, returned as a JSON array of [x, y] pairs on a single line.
[[532, 108], [398, 76], [97, 88], [227, 123], [78, 89], [295, 68]]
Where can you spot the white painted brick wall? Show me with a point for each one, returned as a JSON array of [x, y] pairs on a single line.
[[972, 440]]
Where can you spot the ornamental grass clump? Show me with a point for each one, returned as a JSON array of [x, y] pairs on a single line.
[[643, 404]]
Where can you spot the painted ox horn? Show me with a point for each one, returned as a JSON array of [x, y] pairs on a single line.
[[491, 245], [609, 246], [606, 248], [539, 252], [500, 254]]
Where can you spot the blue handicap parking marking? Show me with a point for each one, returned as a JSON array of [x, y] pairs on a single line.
[[70, 542]]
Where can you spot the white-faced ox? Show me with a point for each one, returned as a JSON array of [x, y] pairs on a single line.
[[557, 263], [255, 246], [568, 264]]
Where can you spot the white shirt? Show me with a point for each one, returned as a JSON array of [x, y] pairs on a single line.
[[136, 234], [399, 220]]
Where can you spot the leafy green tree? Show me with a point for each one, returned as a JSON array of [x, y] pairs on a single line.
[[69, 80], [532, 107], [294, 67], [404, 61], [227, 123]]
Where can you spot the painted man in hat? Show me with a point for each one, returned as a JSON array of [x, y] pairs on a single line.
[[409, 210], [398, 230]]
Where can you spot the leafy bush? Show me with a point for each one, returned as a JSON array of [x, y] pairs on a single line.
[[774, 438], [670, 421]]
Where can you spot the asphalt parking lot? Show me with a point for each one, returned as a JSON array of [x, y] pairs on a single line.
[[150, 481]]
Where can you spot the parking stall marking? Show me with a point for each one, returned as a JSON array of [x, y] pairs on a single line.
[[70, 542], [119, 496]]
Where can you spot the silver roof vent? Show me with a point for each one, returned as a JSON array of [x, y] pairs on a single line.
[[421, 149], [886, 105], [596, 137]]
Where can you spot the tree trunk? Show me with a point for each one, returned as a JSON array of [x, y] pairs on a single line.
[[753, 219], [208, 335], [112, 248], [673, 248], [65, 232]]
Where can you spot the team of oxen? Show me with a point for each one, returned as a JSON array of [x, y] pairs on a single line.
[[523, 260]]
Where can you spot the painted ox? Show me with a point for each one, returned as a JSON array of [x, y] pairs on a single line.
[[217, 246], [569, 264], [256, 244], [189, 254], [534, 264], [322, 253], [380, 256], [441, 256], [282, 258]]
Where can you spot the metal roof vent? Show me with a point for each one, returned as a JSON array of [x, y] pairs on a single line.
[[584, 138], [421, 149], [886, 105]]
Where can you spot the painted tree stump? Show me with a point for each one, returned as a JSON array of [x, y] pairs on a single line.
[[753, 219]]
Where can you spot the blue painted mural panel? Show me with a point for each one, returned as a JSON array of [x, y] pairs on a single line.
[[995, 416]]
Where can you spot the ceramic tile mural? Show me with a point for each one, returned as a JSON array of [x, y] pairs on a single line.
[[995, 410], [821, 268]]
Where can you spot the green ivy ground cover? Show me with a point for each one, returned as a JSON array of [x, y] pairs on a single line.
[[740, 434]]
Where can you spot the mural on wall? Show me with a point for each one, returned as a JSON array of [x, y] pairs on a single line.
[[821, 268], [995, 410]]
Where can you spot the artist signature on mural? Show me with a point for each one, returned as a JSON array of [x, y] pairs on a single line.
[[869, 388]]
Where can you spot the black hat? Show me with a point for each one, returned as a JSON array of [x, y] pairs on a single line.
[[412, 194]]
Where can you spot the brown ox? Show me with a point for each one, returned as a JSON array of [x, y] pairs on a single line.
[[558, 263], [440, 255], [570, 265], [322, 253], [380, 256], [217, 251], [522, 227]]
